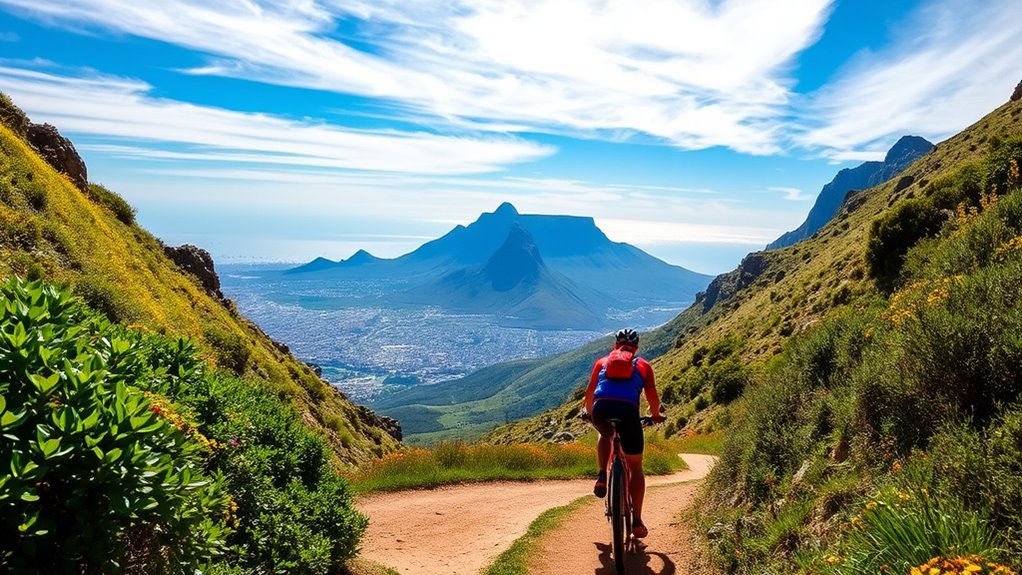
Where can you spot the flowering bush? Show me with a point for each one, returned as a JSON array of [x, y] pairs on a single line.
[[970, 565]]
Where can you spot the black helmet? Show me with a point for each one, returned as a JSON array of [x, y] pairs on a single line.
[[627, 336]]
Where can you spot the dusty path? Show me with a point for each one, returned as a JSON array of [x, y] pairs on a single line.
[[460, 529]]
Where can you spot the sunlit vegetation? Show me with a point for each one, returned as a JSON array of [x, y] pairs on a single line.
[[886, 439], [459, 463], [121, 451], [90, 243]]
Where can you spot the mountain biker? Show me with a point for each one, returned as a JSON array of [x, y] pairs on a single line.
[[618, 398]]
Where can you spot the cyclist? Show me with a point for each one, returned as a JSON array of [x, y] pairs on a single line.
[[609, 397]]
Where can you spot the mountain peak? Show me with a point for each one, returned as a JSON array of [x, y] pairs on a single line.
[[506, 209], [361, 257], [907, 146], [517, 260]]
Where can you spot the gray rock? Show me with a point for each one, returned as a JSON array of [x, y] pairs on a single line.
[[59, 152], [199, 263], [1017, 94]]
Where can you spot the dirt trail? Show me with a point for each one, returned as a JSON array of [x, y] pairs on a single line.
[[460, 529]]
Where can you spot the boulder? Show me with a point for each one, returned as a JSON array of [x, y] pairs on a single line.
[[199, 263], [389, 425], [1017, 94], [59, 152]]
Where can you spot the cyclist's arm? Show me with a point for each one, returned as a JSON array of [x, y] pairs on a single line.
[[591, 388], [652, 397]]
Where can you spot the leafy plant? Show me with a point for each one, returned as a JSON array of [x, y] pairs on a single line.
[[92, 465]]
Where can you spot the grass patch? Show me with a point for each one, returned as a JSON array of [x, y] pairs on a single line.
[[463, 463], [704, 443], [515, 561]]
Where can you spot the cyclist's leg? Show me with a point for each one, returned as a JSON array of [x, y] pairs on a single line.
[[603, 445]]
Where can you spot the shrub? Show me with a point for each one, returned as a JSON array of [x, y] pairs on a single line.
[[727, 379], [114, 202], [103, 296], [95, 473], [892, 234], [899, 530], [230, 349], [12, 116], [1002, 165]]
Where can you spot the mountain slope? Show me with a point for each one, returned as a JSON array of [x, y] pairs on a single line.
[[569, 245], [905, 151], [775, 294], [87, 239], [516, 284]]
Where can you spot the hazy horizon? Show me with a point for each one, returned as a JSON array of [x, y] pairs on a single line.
[[696, 130]]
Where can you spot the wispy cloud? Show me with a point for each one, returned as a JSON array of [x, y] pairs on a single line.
[[118, 108], [955, 61], [595, 68], [791, 194], [9, 37]]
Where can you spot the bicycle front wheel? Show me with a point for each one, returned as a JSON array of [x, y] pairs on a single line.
[[618, 517]]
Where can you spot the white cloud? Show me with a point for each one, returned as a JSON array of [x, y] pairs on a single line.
[[595, 68], [116, 108], [791, 194], [955, 61]]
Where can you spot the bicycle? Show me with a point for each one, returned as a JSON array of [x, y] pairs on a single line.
[[619, 500]]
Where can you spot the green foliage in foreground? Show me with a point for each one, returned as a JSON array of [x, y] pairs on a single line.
[[458, 463], [126, 454], [891, 433], [87, 465]]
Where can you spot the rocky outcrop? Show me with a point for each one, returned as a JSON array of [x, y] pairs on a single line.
[[59, 152], [725, 286], [388, 424], [1017, 94], [199, 263]]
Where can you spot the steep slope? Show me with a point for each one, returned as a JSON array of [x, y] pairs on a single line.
[[86, 237], [754, 309], [905, 151], [516, 284]]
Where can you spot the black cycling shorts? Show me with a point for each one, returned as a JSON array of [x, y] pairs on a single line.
[[630, 428]]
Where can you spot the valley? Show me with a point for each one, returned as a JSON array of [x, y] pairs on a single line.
[[367, 346]]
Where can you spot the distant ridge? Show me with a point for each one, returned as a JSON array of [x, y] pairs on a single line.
[[535, 270], [904, 152], [517, 284]]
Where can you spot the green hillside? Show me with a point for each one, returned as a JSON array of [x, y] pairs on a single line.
[[867, 378], [89, 241]]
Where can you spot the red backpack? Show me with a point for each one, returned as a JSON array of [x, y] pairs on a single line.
[[621, 363]]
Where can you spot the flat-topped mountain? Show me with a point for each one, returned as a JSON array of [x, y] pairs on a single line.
[[542, 271]]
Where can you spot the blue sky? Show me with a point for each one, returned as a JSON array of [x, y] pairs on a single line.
[[698, 130]]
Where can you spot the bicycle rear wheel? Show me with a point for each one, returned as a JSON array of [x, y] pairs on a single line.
[[618, 519]]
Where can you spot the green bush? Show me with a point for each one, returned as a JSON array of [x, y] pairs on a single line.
[[114, 202], [230, 348], [892, 234], [901, 529], [1002, 165], [12, 116], [96, 478]]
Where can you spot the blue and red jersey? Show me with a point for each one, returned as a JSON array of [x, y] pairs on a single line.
[[620, 389]]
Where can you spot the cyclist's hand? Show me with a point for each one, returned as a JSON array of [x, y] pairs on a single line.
[[584, 414]]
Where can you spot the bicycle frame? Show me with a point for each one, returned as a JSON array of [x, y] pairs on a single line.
[[619, 495], [620, 519]]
